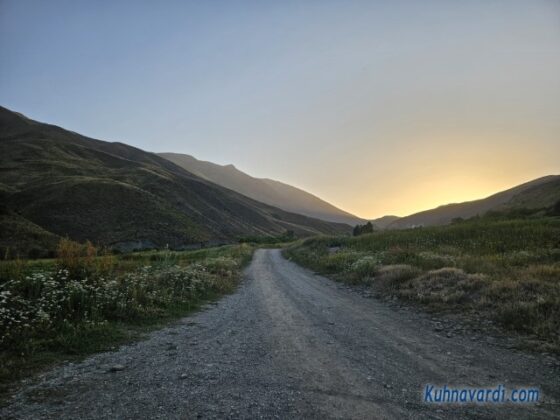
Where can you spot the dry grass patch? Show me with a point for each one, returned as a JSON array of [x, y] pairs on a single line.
[[444, 286], [392, 277]]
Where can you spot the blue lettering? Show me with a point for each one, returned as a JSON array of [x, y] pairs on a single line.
[[428, 393], [437, 397], [496, 394], [480, 395], [446, 394]]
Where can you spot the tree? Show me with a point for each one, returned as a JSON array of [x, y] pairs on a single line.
[[367, 228], [363, 229]]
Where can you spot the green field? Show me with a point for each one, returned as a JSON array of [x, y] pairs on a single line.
[[83, 302], [489, 268]]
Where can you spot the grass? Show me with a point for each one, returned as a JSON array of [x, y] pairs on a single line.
[[507, 270], [84, 301]]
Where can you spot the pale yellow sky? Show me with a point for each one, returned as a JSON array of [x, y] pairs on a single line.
[[428, 174]]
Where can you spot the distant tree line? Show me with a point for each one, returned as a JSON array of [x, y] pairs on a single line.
[[363, 229]]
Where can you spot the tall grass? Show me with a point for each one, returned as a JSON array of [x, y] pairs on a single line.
[[508, 270], [81, 260]]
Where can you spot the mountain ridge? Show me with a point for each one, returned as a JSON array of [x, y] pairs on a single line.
[[111, 193], [266, 190], [513, 198]]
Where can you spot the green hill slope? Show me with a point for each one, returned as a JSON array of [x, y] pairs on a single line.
[[117, 195]]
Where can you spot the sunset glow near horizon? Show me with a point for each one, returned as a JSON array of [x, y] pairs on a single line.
[[385, 107]]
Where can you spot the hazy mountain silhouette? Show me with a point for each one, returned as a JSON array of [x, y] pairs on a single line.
[[267, 191]]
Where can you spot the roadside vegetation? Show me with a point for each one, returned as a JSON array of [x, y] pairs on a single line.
[[86, 300], [495, 267]]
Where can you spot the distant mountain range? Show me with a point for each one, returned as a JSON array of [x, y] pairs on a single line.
[[56, 183], [267, 191], [541, 193]]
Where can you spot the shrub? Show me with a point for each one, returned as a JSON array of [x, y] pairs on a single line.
[[391, 277], [445, 285], [365, 266], [82, 260], [431, 260], [339, 261], [12, 269]]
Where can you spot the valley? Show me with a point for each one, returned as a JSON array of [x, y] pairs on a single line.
[[136, 284], [279, 210]]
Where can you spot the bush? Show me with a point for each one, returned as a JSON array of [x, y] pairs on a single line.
[[365, 267], [431, 260], [391, 277], [445, 285], [82, 260]]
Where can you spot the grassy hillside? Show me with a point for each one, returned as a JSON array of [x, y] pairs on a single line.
[[267, 191], [19, 236], [540, 193], [541, 196], [116, 195], [506, 270]]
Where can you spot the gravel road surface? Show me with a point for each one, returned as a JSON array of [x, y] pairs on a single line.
[[291, 344]]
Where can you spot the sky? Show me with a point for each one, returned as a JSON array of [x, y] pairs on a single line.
[[379, 107]]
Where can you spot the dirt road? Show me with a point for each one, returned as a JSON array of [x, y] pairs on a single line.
[[290, 344]]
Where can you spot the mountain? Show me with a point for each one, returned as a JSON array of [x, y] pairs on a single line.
[[541, 193], [383, 222], [267, 191], [54, 182]]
